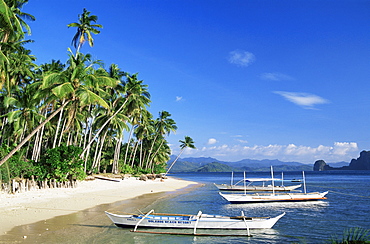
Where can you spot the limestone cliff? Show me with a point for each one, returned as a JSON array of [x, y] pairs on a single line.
[[361, 163]]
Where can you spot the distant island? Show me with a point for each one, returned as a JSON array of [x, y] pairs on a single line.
[[361, 163], [208, 164]]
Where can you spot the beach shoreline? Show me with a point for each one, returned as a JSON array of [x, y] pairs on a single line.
[[34, 206]]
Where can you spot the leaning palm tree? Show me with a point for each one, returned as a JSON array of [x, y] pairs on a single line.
[[188, 142], [135, 93], [164, 125], [84, 30], [77, 85]]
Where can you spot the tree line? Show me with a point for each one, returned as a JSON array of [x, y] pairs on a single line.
[[62, 120]]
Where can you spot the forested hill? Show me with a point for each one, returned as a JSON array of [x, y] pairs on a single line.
[[203, 164]]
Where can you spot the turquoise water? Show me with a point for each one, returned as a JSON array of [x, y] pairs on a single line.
[[348, 205]]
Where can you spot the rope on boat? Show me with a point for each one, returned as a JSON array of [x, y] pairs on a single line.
[[349, 194]]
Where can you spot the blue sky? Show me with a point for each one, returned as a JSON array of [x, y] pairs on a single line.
[[256, 79]]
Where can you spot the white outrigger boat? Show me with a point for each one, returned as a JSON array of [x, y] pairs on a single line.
[[279, 197], [249, 185], [275, 197], [194, 222]]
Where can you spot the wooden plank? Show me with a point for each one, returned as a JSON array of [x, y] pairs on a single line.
[[106, 178]]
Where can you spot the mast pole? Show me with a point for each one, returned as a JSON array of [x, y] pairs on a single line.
[[304, 183], [245, 187], [272, 179]]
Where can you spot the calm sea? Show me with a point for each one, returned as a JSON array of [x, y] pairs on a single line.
[[347, 206]]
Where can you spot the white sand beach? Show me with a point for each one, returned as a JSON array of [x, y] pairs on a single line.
[[33, 206]]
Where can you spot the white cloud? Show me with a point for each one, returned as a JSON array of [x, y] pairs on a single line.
[[275, 76], [241, 58], [305, 100], [178, 99], [242, 141], [340, 151], [211, 141], [342, 148]]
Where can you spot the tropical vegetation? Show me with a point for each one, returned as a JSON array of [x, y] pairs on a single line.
[[62, 120]]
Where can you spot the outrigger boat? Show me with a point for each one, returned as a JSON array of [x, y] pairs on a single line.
[[280, 197], [275, 197], [194, 222], [248, 185]]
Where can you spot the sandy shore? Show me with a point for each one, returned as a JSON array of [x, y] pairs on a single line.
[[34, 206]]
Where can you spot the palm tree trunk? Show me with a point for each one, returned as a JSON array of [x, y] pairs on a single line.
[[35, 146], [101, 149], [156, 152], [88, 147], [2, 130], [141, 154], [128, 142], [117, 155], [103, 126], [134, 154], [95, 156], [143, 162], [23, 132], [32, 133], [62, 132], [168, 170], [57, 131], [151, 148], [38, 151], [68, 139]]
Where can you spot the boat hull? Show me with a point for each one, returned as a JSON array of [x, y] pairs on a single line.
[[191, 222], [260, 198], [224, 187]]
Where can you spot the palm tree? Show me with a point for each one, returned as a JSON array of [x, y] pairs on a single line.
[[19, 68], [19, 146], [18, 17], [13, 27], [77, 85], [12, 31], [116, 126], [188, 142], [24, 113], [84, 30], [7, 28], [136, 93], [164, 125]]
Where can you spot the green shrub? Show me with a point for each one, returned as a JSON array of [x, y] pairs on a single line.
[[63, 163], [16, 166], [125, 169]]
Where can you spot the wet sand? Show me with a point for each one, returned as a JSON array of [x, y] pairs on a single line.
[[89, 225], [29, 216]]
